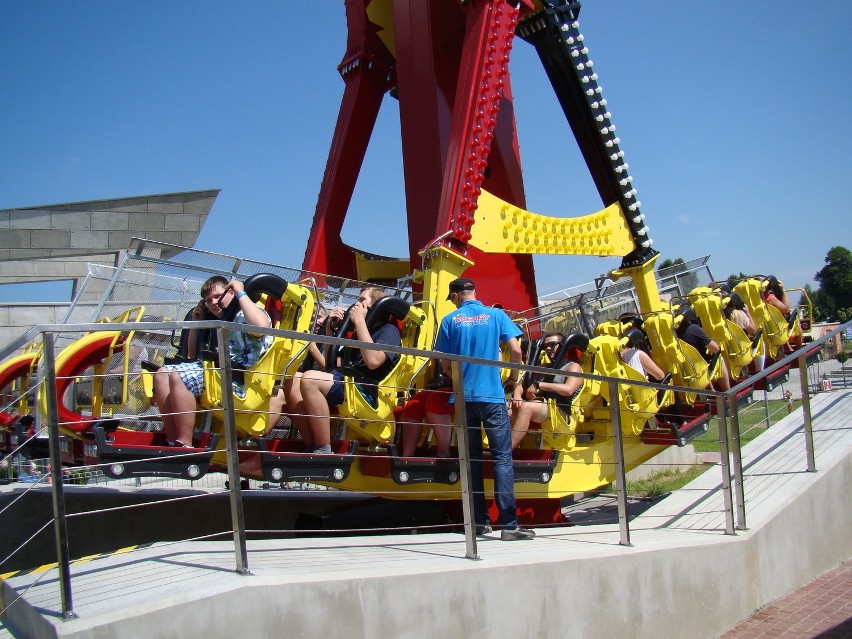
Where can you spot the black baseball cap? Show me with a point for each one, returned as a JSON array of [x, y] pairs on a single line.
[[461, 284]]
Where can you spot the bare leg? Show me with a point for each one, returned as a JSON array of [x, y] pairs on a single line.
[[442, 426], [161, 396], [293, 393], [411, 432], [315, 386], [521, 418], [182, 404]]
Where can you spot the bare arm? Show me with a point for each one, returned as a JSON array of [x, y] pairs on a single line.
[[650, 366], [255, 316], [566, 388], [358, 315]]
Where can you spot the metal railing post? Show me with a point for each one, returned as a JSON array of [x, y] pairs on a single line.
[[766, 405], [736, 449], [464, 462], [725, 462], [620, 475], [806, 409], [60, 525], [232, 454]]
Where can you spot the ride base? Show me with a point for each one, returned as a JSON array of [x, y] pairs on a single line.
[[575, 581]]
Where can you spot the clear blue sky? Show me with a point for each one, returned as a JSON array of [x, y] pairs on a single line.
[[734, 118]]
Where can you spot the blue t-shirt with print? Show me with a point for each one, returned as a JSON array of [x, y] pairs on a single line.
[[476, 330]]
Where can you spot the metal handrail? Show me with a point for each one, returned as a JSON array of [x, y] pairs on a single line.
[[722, 398]]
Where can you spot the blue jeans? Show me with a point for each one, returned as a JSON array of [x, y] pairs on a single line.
[[495, 419]]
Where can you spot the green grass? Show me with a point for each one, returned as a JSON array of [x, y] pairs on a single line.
[[664, 481], [752, 420], [661, 482]]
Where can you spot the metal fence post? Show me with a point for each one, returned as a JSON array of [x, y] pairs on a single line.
[[736, 448], [232, 454], [766, 405], [725, 461], [60, 525], [464, 462], [806, 409], [620, 475]]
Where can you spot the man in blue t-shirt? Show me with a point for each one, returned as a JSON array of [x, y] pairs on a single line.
[[476, 331]]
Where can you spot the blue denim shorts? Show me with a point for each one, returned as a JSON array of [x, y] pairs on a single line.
[[334, 397]]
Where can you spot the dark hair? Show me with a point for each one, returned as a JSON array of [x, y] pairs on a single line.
[[211, 283], [774, 287]]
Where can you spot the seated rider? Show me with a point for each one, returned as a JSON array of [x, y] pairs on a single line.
[[178, 386], [736, 311], [690, 331], [530, 406], [635, 354], [432, 406], [321, 390], [290, 396], [776, 296]]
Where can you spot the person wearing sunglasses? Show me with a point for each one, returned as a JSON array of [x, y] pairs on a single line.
[[530, 405], [177, 387]]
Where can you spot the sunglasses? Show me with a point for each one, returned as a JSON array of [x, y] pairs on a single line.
[[551, 344]]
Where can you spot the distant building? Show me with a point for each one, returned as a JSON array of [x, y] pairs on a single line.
[[58, 241]]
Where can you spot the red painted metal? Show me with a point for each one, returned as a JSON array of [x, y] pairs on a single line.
[[367, 70], [450, 70]]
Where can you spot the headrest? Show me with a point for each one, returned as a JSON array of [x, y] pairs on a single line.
[[393, 306], [687, 315], [572, 349], [268, 283], [630, 319], [636, 339]]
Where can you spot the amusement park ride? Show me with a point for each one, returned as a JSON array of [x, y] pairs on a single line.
[[446, 63]]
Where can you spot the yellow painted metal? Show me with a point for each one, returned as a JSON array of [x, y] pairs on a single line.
[[372, 269], [769, 318], [375, 424], [503, 228], [380, 13], [442, 266], [15, 393], [647, 291], [735, 344], [251, 416]]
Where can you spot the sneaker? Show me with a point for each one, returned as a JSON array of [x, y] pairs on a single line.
[[483, 529], [516, 534]]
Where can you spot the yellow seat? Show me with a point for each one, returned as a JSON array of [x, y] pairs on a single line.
[[375, 423], [735, 344], [686, 364], [290, 307], [775, 329], [94, 351]]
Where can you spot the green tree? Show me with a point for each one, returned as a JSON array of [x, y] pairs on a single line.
[[733, 280], [669, 263], [823, 307], [835, 280]]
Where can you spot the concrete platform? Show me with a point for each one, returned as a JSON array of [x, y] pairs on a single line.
[[681, 577]]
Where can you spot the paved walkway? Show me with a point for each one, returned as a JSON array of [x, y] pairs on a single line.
[[820, 610]]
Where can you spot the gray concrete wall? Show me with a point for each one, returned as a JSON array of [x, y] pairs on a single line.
[[96, 227], [16, 319], [59, 241], [689, 583]]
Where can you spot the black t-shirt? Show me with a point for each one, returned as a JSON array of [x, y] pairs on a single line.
[[695, 336], [384, 334]]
